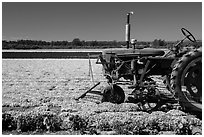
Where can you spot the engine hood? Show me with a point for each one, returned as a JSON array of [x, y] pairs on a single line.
[[134, 52]]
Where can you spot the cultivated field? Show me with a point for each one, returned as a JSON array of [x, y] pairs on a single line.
[[38, 96], [29, 82]]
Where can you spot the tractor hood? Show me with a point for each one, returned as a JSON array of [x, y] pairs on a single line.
[[122, 52]]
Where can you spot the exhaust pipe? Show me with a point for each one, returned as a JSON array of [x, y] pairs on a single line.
[[127, 32]]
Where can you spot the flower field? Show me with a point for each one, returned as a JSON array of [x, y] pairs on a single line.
[[38, 98]]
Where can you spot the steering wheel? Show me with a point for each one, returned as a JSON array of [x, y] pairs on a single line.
[[188, 35]]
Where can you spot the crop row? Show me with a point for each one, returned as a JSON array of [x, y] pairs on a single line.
[[42, 119]]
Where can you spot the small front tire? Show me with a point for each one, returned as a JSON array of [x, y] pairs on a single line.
[[114, 94]]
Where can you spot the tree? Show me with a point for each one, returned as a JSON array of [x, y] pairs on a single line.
[[76, 42], [158, 43], [94, 43]]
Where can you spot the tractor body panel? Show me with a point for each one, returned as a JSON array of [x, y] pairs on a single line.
[[126, 54], [160, 65]]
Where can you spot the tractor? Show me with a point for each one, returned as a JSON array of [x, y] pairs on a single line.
[[180, 67]]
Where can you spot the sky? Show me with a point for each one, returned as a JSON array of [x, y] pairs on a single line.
[[101, 21]]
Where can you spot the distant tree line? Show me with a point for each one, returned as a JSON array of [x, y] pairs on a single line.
[[77, 44], [158, 43]]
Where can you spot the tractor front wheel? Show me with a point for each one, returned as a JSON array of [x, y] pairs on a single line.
[[114, 94]]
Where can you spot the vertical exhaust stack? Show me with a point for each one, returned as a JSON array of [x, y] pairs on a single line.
[[127, 32]]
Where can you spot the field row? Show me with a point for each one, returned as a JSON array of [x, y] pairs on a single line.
[[49, 54]]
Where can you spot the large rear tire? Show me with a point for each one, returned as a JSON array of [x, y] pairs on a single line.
[[186, 81]]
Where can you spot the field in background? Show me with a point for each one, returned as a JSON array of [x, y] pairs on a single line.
[[54, 50], [57, 53]]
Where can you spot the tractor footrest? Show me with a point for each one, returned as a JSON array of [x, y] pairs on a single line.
[[169, 99]]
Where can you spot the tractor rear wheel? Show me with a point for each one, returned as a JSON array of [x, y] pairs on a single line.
[[186, 81], [114, 94]]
